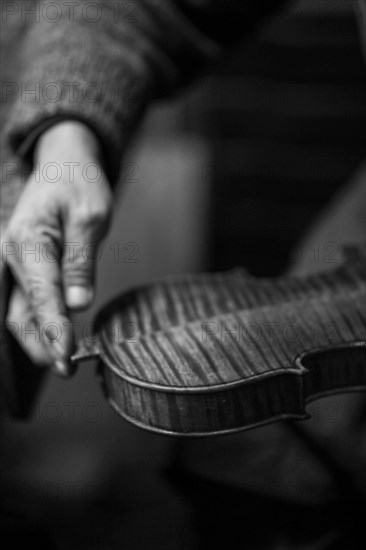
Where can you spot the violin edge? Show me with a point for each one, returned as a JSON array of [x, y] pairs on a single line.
[[282, 397]]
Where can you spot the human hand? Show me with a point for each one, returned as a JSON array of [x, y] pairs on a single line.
[[57, 224]]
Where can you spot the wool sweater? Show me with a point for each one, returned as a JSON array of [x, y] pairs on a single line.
[[103, 62]]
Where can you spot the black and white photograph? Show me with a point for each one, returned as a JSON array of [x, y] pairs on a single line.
[[183, 275]]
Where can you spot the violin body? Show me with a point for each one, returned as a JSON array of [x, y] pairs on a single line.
[[212, 354]]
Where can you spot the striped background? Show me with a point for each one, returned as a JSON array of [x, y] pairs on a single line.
[[287, 121]]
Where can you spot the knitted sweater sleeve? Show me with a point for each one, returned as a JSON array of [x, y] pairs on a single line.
[[102, 62]]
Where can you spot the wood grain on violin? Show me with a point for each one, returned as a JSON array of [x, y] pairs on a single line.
[[211, 354]]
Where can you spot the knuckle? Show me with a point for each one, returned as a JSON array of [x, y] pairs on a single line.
[[98, 215], [37, 297], [93, 215], [92, 219], [80, 263], [43, 302], [81, 276]]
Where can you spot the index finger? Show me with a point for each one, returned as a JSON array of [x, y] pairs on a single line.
[[39, 276]]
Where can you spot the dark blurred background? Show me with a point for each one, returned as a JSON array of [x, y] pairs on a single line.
[[233, 172]]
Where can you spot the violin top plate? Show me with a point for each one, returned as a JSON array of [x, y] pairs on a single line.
[[192, 332]]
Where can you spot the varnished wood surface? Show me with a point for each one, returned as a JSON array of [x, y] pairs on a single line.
[[207, 330], [205, 355]]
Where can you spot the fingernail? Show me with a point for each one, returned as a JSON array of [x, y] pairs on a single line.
[[78, 297], [61, 368]]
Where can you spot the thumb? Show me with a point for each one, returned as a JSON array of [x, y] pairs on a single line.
[[82, 237]]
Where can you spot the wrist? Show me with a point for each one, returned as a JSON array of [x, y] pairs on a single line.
[[69, 139]]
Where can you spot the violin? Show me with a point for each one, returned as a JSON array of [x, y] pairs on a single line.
[[210, 354]]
